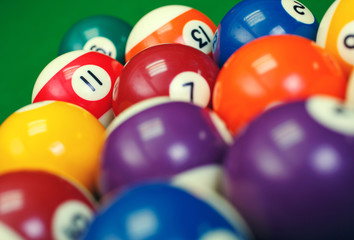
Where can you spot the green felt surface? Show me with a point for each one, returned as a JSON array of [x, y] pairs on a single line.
[[31, 32]]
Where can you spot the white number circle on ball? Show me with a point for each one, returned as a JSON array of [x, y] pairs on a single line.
[[190, 87], [345, 43], [91, 82], [332, 114], [70, 220], [298, 11], [199, 35], [102, 45]]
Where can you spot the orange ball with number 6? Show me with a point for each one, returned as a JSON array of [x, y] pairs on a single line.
[[271, 70]]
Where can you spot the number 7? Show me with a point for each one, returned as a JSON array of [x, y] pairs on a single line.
[[192, 87]]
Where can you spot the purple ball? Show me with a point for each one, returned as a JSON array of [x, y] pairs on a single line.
[[291, 172], [157, 139]]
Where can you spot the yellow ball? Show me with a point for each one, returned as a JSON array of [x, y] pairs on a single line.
[[336, 32], [53, 136]]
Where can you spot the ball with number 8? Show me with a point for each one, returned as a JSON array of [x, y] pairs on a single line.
[[249, 20], [175, 70], [171, 24]]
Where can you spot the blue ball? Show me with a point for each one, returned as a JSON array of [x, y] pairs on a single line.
[[158, 211], [251, 19]]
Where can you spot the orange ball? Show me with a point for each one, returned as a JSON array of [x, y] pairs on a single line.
[[350, 89], [270, 70], [171, 24]]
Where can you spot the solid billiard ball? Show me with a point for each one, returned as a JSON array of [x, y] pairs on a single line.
[[270, 70], [350, 90], [171, 24], [39, 205], [291, 172], [53, 136], [336, 32], [175, 70], [249, 20], [162, 211], [83, 78], [159, 138], [101, 33]]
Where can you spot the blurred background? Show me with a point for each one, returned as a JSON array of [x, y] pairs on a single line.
[[31, 32]]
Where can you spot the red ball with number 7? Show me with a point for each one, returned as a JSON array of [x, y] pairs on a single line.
[[175, 70]]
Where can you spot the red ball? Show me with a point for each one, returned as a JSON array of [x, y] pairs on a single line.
[[175, 70], [82, 78], [41, 206]]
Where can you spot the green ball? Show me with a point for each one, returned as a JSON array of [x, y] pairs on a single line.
[[105, 34]]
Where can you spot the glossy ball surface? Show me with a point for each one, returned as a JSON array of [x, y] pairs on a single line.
[[82, 78], [157, 139], [171, 24], [350, 89], [249, 20], [52, 136], [160, 211], [336, 32], [101, 33], [291, 172], [270, 70], [175, 70], [37, 205]]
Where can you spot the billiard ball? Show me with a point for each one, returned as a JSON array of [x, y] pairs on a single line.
[[171, 24], [350, 90], [52, 136], [39, 205], [291, 172], [159, 138], [179, 71], [162, 211], [336, 32], [101, 33], [270, 70], [84, 78], [249, 20]]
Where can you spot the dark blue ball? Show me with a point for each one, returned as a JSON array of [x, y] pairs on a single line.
[[161, 212], [251, 19]]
